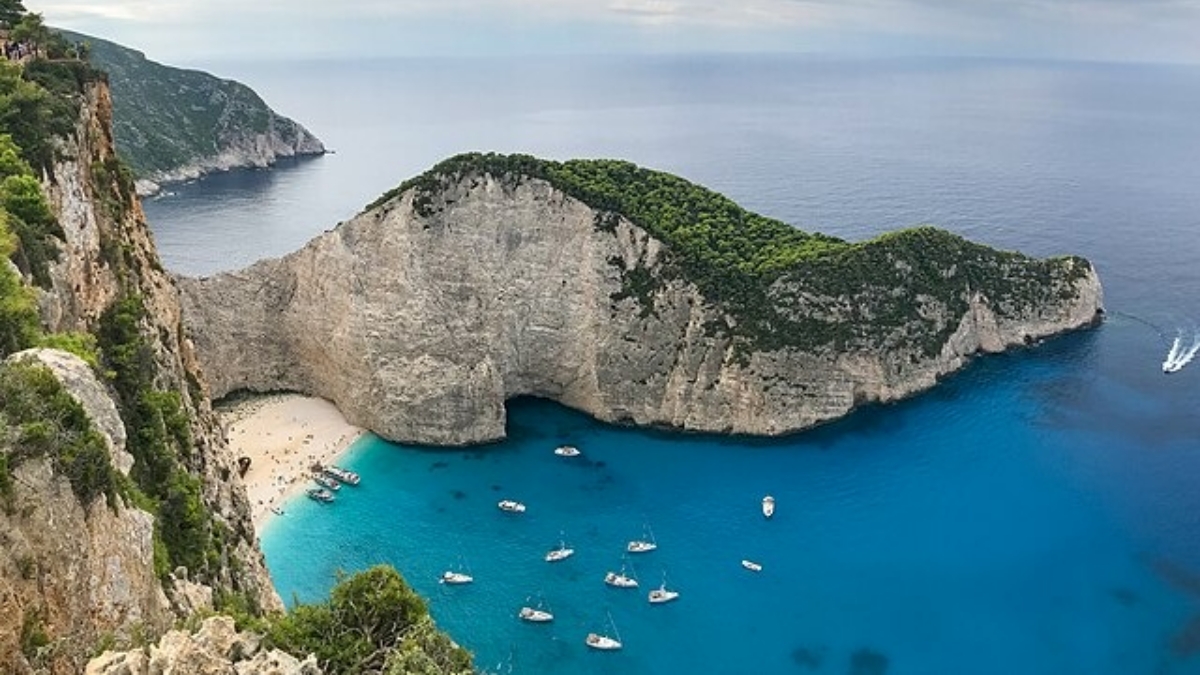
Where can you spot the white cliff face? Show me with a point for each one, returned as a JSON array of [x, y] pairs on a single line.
[[420, 327], [78, 571]]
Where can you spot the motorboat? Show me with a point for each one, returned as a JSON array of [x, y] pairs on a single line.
[[604, 642], [511, 506], [326, 482], [768, 506], [1171, 367], [567, 451], [560, 553], [455, 578], [320, 494], [535, 615], [643, 545], [752, 566], [341, 475]]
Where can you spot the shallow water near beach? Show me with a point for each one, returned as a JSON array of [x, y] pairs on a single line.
[[1037, 513]]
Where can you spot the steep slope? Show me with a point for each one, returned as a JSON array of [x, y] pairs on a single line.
[[121, 512], [173, 124], [91, 555], [631, 295]]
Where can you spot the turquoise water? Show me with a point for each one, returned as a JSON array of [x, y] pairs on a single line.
[[1037, 514], [973, 530]]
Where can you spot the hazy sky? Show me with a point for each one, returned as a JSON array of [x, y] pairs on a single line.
[[182, 31]]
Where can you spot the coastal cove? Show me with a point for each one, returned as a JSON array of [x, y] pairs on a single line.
[[1034, 513], [955, 532]]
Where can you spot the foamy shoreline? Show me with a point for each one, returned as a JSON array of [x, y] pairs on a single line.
[[284, 435]]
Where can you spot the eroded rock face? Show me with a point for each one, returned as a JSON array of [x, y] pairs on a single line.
[[420, 325], [75, 571], [107, 248], [216, 649]]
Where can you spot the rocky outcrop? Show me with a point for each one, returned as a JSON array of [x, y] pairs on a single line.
[[174, 124], [420, 321], [215, 649], [73, 572]]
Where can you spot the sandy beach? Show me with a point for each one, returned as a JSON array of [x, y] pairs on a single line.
[[283, 435]]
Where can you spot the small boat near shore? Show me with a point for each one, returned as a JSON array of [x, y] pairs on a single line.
[[342, 475], [567, 451], [511, 506], [768, 506], [320, 495], [326, 482], [752, 566]]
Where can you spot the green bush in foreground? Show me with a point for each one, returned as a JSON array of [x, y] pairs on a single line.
[[372, 622]]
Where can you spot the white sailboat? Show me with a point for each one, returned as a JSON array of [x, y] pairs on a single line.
[[660, 595], [621, 579], [604, 642], [643, 545], [535, 614], [561, 553]]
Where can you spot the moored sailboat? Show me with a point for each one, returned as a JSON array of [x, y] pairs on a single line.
[[604, 642], [643, 545]]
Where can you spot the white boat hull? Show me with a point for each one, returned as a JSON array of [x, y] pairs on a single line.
[[511, 506], [752, 566], [768, 506], [620, 580], [640, 546], [535, 615], [602, 642], [658, 597], [456, 578], [567, 451], [560, 554]]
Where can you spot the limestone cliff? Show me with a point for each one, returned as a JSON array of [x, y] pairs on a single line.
[[73, 573], [107, 252], [80, 568], [421, 316]]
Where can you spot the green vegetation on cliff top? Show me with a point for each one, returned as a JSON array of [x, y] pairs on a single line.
[[780, 286]]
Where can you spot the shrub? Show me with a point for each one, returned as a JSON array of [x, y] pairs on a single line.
[[368, 616]]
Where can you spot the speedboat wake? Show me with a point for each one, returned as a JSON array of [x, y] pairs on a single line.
[[1178, 356]]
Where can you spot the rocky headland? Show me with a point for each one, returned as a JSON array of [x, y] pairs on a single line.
[[629, 294], [175, 124]]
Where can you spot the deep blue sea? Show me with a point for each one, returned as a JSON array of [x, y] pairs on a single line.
[[1038, 513]]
